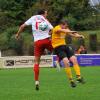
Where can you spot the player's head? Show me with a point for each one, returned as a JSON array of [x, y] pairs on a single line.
[[64, 24], [42, 12]]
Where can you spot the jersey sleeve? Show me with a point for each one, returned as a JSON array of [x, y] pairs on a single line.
[[50, 26], [29, 21], [56, 28]]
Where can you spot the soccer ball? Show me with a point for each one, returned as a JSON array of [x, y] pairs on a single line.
[[43, 26]]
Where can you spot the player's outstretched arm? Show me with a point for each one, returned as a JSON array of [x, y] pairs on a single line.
[[71, 33], [65, 31], [21, 28], [76, 35]]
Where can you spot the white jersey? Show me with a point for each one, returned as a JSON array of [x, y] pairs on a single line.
[[39, 34]]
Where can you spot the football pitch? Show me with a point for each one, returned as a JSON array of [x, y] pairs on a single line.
[[18, 84]]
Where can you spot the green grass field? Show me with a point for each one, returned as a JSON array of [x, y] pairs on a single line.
[[18, 84]]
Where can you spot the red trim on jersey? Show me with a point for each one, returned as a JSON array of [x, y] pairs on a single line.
[[36, 25]]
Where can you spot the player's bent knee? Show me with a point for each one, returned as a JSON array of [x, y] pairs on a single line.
[[66, 62], [73, 59]]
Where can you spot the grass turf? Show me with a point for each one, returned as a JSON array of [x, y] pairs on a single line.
[[18, 84]]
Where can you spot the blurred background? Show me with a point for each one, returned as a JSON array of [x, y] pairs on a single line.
[[82, 15]]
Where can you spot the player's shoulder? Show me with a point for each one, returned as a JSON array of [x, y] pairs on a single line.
[[39, 16], [36, 16], [56, 27]]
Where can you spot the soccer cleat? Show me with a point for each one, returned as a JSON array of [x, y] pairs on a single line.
[[72, 83], [37, 85], [80, 80]]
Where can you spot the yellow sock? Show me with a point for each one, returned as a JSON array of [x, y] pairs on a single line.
[[68, 72], [77, 70]]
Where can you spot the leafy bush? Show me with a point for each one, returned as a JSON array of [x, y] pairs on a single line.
[[87, 24], [17, 45], [3, 42], [93, 42], [71, 20], [8, 41]]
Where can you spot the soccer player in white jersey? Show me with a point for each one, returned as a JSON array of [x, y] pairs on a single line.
[[41, 28]]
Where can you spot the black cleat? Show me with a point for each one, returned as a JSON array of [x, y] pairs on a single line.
[[37, 87], [73, 84], [80, 80]]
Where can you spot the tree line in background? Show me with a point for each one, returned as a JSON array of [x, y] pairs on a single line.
[[79, 13]]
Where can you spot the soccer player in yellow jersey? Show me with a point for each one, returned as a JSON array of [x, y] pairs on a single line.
[[64, 52]]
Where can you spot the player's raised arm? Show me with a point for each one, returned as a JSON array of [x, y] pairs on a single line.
[[76, 35], [64, 28], [65, 31], [21, 28]]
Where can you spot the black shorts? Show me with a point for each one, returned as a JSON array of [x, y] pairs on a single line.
[[64, 51]]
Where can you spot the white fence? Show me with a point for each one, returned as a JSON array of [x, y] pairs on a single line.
[[24, 61], [46, 61]]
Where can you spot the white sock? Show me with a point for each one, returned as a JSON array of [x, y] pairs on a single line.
[[36, 82], [57, 65]]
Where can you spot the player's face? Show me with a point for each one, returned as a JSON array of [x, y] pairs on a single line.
[[64, 26]]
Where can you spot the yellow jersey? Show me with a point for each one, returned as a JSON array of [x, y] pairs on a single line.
[[58, 39]]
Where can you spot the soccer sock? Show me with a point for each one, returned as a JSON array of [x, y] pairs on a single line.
[[68, 72], [36, 72], [77, 70]]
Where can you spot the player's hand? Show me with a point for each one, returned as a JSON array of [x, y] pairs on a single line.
[[81, 36], [74, 32], [17, 36]]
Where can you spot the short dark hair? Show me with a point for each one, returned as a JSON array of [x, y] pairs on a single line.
[[63, 22], [41, 11]]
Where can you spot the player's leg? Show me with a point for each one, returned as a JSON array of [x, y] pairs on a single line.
[[48, 46], [36, 71], [61, 52], [73, 59], [75, 65], [68, 71], [38, 50]]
